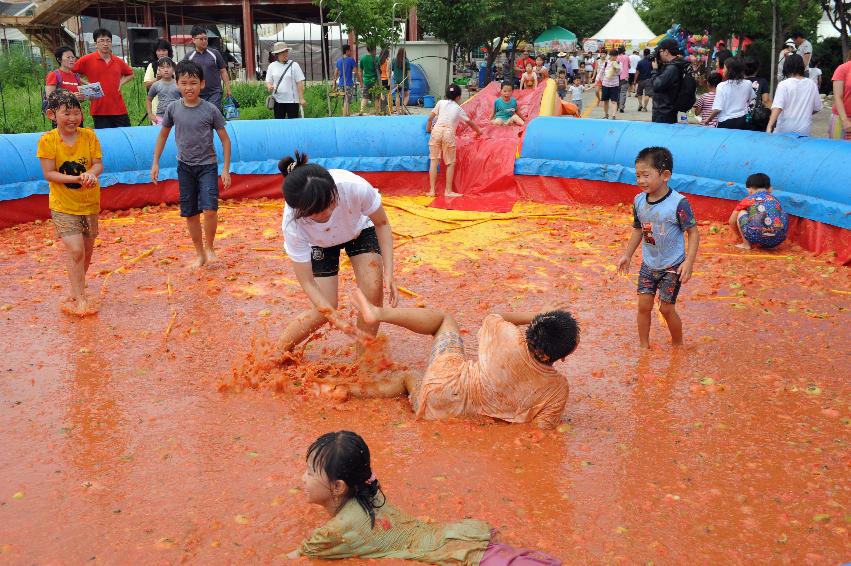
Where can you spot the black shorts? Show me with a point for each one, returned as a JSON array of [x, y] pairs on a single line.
[[112, 121], [326, 261], [611, 93]]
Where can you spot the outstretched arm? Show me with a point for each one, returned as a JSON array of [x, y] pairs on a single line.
[[385, 242], [525, 317]]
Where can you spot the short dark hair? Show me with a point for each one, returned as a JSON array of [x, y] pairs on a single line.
[[61, 97], [188, 69], [613, 52], [60, 52], [197, 30], [163, 44], [165, 62], [308, 188], [621, 49], [346, 48], [646, 51], [798, 33], [735, 69], [751, 66], [669, 45], [659, 158], [507, 84], [453, 91], [714, 79], [344, 456], [552, 336], [758, 181], [793, 65], [101, 32]]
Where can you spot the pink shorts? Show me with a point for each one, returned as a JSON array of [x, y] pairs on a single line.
[[442, 142], [499, 554]]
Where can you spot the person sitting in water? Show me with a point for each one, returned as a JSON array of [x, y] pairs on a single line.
[[339, 478], [512, 379], [758, 219], [325, 212]]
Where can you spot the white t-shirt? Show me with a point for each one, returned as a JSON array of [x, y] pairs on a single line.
[[814, 75], [356, 200], [574, 62], [633, 62], [448, 113], [732, 99], [287, 91], [799, 99], [576, 92]]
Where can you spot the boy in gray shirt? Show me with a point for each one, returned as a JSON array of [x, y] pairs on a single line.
[[194, 120], [165, 88]]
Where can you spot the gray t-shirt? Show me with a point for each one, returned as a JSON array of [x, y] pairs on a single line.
[[167, 92], [805, 48], [211, 62], [193, 130]]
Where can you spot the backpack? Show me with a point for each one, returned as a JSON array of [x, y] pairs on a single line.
[[58, 87], [687, 95]]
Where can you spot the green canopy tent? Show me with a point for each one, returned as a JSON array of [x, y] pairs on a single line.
[[555, 39]]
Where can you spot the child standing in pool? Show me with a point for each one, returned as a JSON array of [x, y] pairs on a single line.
[[339, 478], [505, 109], [70, 159], [442, 123], [327, 211], [758, 219], [661, 216]]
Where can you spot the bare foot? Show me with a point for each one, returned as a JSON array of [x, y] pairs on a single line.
[[744, 246], [450, 194], [645, 346], [199, 262], [211, 255], [430, 193], [367, 310]]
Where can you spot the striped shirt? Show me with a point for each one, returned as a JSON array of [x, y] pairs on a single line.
[[704, 107]]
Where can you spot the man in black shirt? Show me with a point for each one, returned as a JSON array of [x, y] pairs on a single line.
[[643, 74], [667, 81]]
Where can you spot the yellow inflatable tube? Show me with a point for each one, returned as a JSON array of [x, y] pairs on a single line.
[[550, 101]]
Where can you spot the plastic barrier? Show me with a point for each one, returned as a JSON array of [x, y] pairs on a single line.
[[419, 83], [356, 143], [809, 175]]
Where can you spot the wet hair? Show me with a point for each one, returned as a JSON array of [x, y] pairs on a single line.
[[61, 97], [751, 66], [453, 91], [793, 65], [60, 52], [165, 62], [758, 181], [346, 48], [659, 158], [308, 188], [163, 44], [714, 79], [188, 69], [735, 69], [552, 336], [344, 456], [507, 84], [197, 30], [101, 32]]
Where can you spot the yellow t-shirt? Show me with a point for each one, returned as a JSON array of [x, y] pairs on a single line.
[[72, 160]]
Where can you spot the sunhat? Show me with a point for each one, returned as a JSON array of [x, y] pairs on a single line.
[[562, 54], [279, 47]]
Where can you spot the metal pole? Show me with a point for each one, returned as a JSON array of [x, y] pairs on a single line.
[[773, 45]]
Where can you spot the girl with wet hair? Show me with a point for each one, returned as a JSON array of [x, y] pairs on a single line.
[[327, 211], [339, 478]]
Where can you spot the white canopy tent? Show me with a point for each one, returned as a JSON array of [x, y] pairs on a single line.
[[626, 24]]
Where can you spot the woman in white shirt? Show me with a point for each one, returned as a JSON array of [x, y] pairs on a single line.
[[795, 101], [326, 211], [285, 81], [733, 97]]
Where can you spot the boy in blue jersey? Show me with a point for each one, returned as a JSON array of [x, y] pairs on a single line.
[[660, 218], [344, 77]]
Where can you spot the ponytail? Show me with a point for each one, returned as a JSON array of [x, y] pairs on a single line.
[[345, 456], [308, 188]]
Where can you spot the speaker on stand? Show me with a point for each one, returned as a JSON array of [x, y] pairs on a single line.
[[142, 41]]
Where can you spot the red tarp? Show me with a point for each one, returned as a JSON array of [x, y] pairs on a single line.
[[810, 235]]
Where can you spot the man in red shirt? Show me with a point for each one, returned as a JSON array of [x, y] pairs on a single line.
[[111, 72], [520, 68], [840, 120]]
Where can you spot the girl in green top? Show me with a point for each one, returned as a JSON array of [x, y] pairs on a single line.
[[363, 525], [401, 80]]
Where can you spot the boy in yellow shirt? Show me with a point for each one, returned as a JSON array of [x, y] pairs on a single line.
[[71, 162]]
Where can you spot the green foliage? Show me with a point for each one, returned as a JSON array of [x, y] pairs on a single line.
[[584, 17], [17, 68], [829, 55], [371, 20], [457, 22], [250, 94]]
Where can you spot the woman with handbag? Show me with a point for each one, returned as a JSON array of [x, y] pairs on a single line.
[[733, 97], [795, 101], [285, 82]]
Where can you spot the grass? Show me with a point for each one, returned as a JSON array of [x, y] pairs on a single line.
[[22, 85]]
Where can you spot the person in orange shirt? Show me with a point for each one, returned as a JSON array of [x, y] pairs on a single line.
[[512, 379]]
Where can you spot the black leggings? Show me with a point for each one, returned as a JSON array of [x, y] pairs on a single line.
[[286, 110], [740, 123]]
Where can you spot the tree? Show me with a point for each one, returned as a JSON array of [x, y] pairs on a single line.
[[457, 22], [839, 14], [584, 17]]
